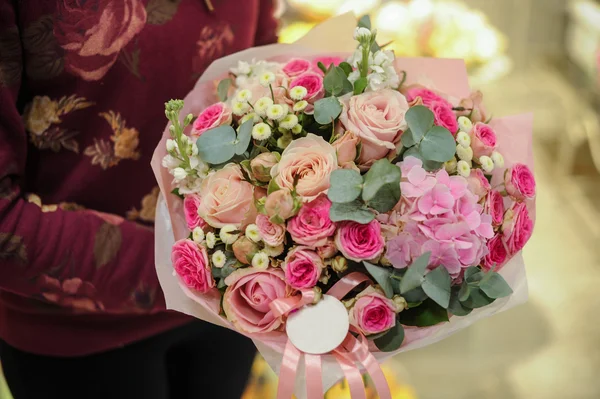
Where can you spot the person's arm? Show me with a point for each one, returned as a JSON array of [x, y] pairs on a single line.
[[36, 246], [267, 23]]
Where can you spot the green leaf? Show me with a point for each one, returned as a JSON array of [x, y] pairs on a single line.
[[345, 185], [381, 190], [438, 145], [427, 314], [420, 120], [432, 166], [244, 136], [354, 211], [336, 82], [217, 145], [413, 152], [473, 274], [415, 296], [360, 85], [382, 276], [223, 88], [437, 286], [322, 67], [464, 291], [391, 340], [414, 276], [364, 22], [407, 138], [347, 68], [495, 286], [326, 110], [477, 299], [177, 193], [456, 307], [273, 186]]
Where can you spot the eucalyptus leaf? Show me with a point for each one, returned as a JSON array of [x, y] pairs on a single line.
[[364, 22], [223, 89], [437, 286], [408, 139], [414, 276], [217, 145], [347, 68], [322, 67], [432, 166], [412, 152], [456, 307], [382, 276], [381, 190], [473, 274], [477, 299], [495, 286], [360, 85], [221, 284], [464, 291], [336, 82], [345, 185], [415, 296], [420, 120], [438, 145], [392, 340], [244, 136], [427, 314], [354, 211], [326, 110]]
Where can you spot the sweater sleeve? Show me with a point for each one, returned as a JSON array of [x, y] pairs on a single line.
[[268, 23], [70, 258]]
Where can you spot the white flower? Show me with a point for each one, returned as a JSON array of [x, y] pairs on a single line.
[[239, 108], [361, 34], [354, 76], [219, 259], [190, 185], [465, 124], [273, 251], [451, 166], [266, 78], [261, 131], [297, 129], [252, 233], [170, 162], [211, 240], [298, 93], [179, 174], [243, 68], [244, 96], [383, 58], [466, 154], [198, 235], [194, 150], [463, 168], [226, 234], [300, 106], [241, 80], [261, 105], [463, 139], [260, 261], [289, 121], [486, 163], [275, 112], [171, 145], [498, 159]]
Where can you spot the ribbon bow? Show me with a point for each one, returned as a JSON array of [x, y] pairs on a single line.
[[352, 350]]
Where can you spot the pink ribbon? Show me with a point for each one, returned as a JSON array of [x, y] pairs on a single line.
[[348, 354]]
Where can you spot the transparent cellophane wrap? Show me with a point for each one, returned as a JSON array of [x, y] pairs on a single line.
[[333, 37]]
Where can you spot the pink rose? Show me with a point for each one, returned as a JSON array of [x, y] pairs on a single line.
[[517, 227], [373, 312], [313, 83], [478, 183], [214, 116], [377, 118], [519, 182], [296, 66], [494, 206], [280, 205], [328, 250], [190, 209], [227, 198], [312, 225], [244, 250], [271, 233], [497, 254], [428, 97], [345, 147], [444, 116], [326, 61], [190, 261], [474, 107], [302, 267], [483, 140], [309, 160], [360, 241], [248, 295]]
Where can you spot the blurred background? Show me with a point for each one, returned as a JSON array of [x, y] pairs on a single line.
[[540, 56]]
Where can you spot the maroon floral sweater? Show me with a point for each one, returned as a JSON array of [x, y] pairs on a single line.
[[82, 91]]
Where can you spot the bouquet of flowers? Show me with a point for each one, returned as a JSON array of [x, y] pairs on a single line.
[[340, 207]]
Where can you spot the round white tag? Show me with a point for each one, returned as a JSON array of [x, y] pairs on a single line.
[[320, 328]]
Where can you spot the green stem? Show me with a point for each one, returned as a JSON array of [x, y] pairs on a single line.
[[272, 96], [364, 66]]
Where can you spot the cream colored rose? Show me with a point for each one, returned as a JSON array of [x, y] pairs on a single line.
[[310, 160], [377, 118], [40, 114]]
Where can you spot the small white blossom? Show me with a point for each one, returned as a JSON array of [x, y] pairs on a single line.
[[226, 234], [486, 163], [463, 139], [170, 162], [243, 68], [261, 105], [463, 168], [190, 185], [297, 129], [241, 80], [211, 240], [260, 261], [179, 174], [466, 154], [275, 112], [244, 96], [361, 34], [198, 235], [498, 159], [239, 108], [273, 251], [266, 78], [298, 93], [451, 166], [465, 124], [289, 121], [194, 150], [171, 145], [300, 106], [252, 233], [219, 259], [261, 131]]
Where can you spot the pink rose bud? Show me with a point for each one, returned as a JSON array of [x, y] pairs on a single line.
[[296, 66], [312, 225], [497, 254], [517, 227], [494, 206], [303, 267], [262, 164], [519, 182], [345, 148], [214, 116], [339, 264], [478, 183], [328, 250], [444, 116], [190, 209], [474, 107], [244, 250], [360, 242], [373, 312], [483, 140], [271, 233], [280, 205], [190, 262]]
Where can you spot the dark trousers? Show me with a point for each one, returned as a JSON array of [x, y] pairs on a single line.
[[196, 361]]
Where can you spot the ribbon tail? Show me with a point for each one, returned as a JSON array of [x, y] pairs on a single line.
[[287, 373], [376, 373], [353, 376], [314, 382]]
